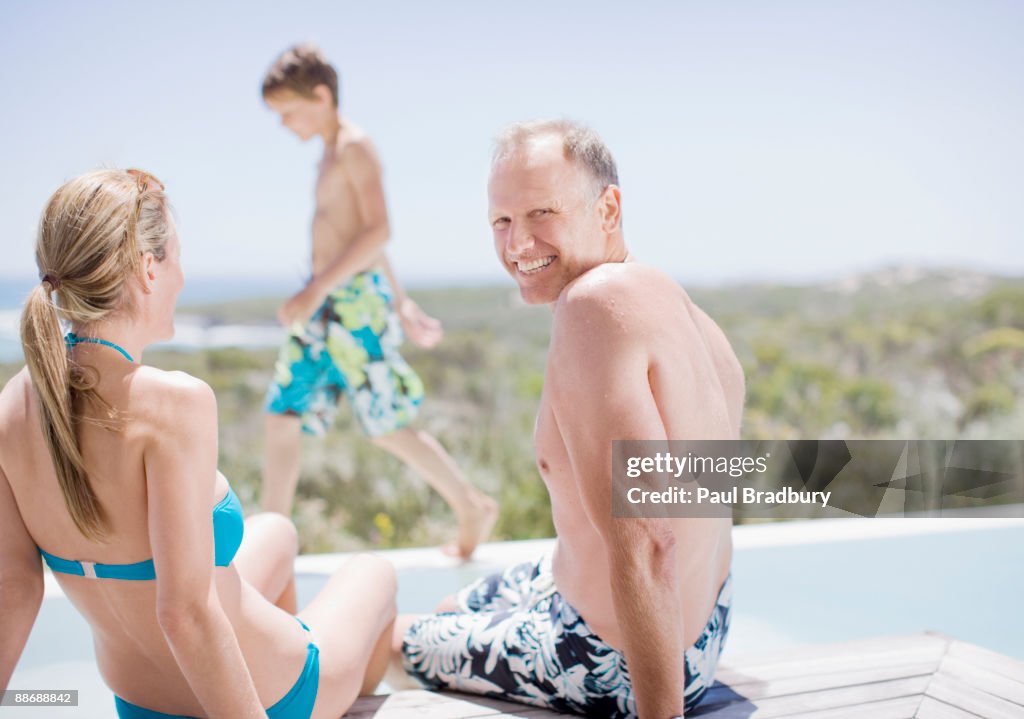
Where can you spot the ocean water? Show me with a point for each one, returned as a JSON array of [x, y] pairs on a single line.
[[191, 331]]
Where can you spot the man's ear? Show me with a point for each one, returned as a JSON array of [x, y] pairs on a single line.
[[610, 206]]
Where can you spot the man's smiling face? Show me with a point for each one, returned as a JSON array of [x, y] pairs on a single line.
[[547, 226]]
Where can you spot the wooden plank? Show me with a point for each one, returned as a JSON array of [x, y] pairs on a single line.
[[440, 705], [832, 658], [934, 709], [949, 689], [900, 708], [721, 694], [845, 697], [1008, 667], [981, 677], [929, 676]]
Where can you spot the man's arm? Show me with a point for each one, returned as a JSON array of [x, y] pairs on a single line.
[[21, 583], [603, 394]]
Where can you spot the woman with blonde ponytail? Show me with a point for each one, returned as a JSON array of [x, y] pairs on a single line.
[[108, 475]]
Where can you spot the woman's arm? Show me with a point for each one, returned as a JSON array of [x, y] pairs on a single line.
[[181, 468], [21, 583]]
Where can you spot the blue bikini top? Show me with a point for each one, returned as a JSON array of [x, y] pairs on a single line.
[[228, 527]]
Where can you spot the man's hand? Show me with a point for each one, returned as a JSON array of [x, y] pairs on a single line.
[[421, 329], [301, 306]]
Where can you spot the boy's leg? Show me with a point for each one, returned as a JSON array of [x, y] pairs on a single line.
[[474, 510], [385, 394], [281, 456], [301, 396]]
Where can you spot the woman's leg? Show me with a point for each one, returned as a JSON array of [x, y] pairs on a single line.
[[266, 558], [351, 621]]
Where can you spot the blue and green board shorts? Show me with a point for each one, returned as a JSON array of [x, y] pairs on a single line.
[[349, 345]]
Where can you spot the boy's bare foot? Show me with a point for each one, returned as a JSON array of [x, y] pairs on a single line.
[[474, 528]]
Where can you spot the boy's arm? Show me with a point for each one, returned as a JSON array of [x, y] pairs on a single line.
[[422, 329], [363, 170], [364, 174]]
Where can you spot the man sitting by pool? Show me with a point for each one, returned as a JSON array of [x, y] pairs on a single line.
[[631, 357]]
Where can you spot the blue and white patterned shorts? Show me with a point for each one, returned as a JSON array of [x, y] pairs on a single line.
[[349, 346], [516, 638]]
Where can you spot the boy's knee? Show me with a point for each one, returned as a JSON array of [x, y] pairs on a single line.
[[282, 426], [394, 438]]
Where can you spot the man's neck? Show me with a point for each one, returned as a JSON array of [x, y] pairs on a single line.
[[617, 251]]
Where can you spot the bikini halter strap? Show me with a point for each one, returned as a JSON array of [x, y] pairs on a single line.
[[71, 339]]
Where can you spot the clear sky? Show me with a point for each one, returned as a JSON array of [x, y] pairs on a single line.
[[774, 140]]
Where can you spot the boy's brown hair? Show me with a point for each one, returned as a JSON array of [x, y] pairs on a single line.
[[299, 69]]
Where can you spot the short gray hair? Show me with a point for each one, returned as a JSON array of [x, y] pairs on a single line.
[[580, 145]]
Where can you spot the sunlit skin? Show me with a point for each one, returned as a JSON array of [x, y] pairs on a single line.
[[200, 640], [630, 356], [307, 116], [151, 300], [550, 224]]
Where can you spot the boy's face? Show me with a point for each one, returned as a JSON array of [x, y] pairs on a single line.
[[304, 116]]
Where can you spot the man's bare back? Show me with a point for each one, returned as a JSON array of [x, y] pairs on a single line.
[[696, 384], [630, 358]]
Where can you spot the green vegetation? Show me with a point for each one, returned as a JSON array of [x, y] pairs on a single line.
[[924, 358]]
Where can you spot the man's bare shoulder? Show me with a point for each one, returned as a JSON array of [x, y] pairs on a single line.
[[619, 295]]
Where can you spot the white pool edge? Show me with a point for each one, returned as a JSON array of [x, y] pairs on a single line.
[[745, 537]]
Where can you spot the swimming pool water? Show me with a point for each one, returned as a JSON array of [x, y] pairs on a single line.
[[822, 588]]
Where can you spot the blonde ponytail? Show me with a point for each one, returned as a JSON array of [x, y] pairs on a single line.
[[91, 237], [47, 361]]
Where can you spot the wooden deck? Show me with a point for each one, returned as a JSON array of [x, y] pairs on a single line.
[[927, 676]]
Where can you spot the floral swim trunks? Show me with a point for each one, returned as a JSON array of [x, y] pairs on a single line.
[[349, 345], [516, 638]]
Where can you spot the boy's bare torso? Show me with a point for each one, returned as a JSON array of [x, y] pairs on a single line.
[[339, 218], [705, 406]]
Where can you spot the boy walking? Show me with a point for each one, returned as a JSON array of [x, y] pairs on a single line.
[[345, 326]]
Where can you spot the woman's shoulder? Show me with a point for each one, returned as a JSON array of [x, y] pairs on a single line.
[[170, 397], [14, 397]]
